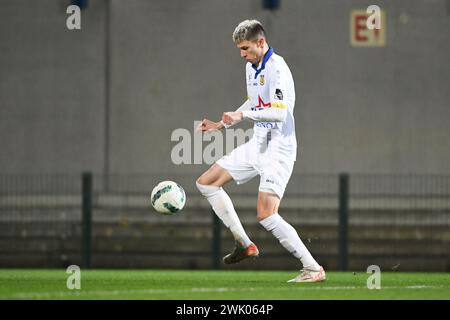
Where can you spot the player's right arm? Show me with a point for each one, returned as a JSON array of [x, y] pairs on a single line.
[[207, 125]]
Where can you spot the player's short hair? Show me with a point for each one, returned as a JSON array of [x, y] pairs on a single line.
[[248, 30]]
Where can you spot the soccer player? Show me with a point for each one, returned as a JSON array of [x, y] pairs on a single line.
[[270, 153]]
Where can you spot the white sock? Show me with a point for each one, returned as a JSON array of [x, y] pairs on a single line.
[[289, 239], [224, 209]]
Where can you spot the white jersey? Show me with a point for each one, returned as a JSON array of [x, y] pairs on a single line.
[[270, 88]]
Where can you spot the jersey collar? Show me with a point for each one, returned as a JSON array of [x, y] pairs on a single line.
[[263, 64]]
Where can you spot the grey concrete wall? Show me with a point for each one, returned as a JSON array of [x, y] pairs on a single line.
[[51, 88], [172, 62]]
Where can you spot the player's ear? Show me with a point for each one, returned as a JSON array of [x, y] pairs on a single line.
[[261, 42]]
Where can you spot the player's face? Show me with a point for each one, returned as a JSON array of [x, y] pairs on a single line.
[[252, 51]]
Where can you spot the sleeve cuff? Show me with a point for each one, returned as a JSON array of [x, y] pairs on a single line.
[[226, 126]]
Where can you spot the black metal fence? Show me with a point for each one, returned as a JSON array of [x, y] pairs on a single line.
[[39, 218], [347, 221]]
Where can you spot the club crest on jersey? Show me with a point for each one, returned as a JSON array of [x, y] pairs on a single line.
[[261, 80]]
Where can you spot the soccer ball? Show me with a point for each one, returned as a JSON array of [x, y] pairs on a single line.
[[168, 197]]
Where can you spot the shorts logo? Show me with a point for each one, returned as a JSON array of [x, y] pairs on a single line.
[[261, 80], [278, 94], [270, 181]]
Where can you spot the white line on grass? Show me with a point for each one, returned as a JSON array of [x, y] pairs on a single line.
[[80, 293]]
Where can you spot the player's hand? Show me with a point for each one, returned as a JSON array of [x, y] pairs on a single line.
[[231, 117], [208, 125]]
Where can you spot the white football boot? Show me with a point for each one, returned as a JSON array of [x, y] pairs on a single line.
[[310, 276]]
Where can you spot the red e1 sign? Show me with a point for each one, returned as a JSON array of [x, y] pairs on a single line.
[[368, 28]]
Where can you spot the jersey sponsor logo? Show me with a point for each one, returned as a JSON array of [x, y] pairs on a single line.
[[267, 125], [261, 80], [278, 94]]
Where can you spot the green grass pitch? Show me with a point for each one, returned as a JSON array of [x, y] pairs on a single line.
[[217, 285]]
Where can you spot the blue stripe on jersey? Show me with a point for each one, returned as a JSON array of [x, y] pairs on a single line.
[[263, 64]]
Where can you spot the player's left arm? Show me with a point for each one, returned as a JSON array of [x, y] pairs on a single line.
[[231, 118], [278, 109]]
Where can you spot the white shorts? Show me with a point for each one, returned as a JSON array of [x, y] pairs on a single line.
[[244, 163]]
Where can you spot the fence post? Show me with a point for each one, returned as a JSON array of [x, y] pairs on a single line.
[[86, 222], [343, 220], [217, 227]]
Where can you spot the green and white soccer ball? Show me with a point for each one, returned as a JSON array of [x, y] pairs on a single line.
[[168, 198]]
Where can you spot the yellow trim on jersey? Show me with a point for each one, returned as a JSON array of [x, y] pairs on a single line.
[[278, 105]]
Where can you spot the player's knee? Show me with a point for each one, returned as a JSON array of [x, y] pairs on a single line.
[[201, 180], [206, 179], [206, 190]]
